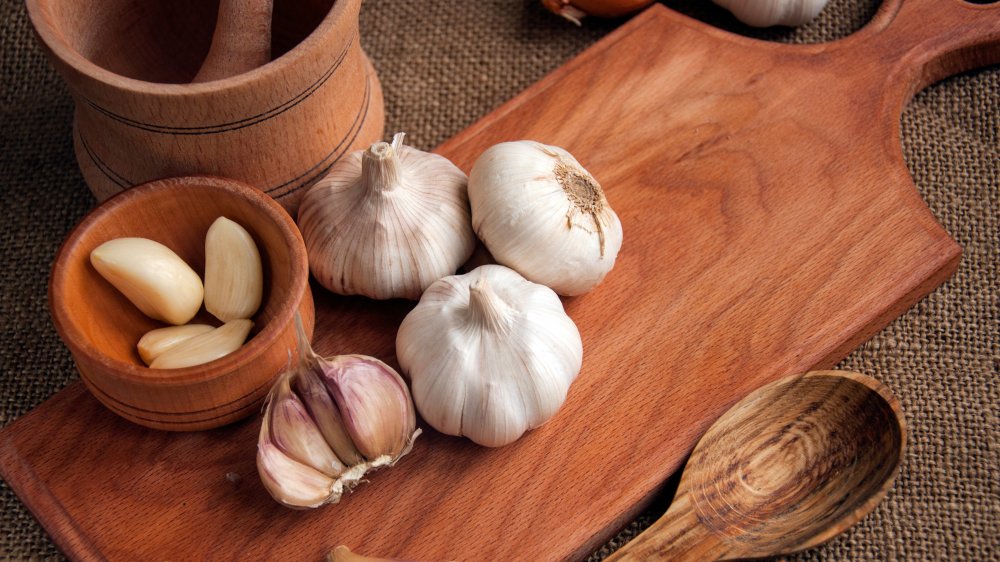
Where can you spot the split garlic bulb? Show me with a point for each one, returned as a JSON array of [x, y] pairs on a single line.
[[765, 13], [328, 422], [387, 222], [489, 354], [540, 213]]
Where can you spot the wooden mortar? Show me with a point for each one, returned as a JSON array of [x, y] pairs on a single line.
[[278, 127]]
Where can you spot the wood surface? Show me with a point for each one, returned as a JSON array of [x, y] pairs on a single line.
[[101, 327], [241, 41], [770, 227], [278, 127], [790, 466]]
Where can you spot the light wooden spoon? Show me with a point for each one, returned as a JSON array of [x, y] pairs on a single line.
[[787, 468]]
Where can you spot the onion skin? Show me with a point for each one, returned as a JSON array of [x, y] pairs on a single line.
[[574, 10]]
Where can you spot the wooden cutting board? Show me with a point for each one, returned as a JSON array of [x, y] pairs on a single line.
[[770, 227]]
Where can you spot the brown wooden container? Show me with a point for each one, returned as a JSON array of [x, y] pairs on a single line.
[[101, 327], [278, 127]]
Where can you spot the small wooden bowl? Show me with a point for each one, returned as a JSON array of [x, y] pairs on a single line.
[[279, 127], [101, 327]]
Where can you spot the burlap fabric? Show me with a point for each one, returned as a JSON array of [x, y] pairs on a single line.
[[443, 64]]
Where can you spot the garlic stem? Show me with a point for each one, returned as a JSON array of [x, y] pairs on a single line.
[[487, 309], [380, 166]]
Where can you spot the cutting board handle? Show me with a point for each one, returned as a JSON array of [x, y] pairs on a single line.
[[933, 39]]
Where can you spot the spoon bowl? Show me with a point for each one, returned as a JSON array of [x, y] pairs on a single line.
[[787, 468]]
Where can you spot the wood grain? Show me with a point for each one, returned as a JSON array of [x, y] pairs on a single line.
[[787, 468], [770, 226], [278, 127], [241, 41]]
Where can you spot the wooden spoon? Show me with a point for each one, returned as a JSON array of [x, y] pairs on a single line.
[[787, 468], [241, 42]]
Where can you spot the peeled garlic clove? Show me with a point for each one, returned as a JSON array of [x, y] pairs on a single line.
[[374, 404], [292, 430], [387, 222], [290, 482], [205, 347], [324, 412], [540, 213], [765, 13], [151, 276], [155, 342], [234, 278], [490, 355]]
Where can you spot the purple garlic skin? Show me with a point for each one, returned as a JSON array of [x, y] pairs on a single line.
[[374, 401], [327, 423]]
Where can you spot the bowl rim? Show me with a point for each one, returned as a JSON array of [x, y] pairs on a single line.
[[69, 55], [221, 367]]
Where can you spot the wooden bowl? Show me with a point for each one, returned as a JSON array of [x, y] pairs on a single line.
[[101, 327], [278, 127]]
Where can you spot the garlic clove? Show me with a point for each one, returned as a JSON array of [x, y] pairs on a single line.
[[155, 279], [205, 347], [154, 342], [290, 482], [324, 412], [234, 278], [292, 430], [374, 403], [387, 222]]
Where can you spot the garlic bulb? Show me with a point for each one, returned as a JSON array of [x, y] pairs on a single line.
[[490, 355], [387, 222], [540, 213], [765, 13], [330, 421]]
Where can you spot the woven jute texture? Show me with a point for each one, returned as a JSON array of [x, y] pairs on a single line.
[[443, 64]]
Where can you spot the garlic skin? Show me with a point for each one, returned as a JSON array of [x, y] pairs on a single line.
[[329, 421], [765, 13], [155, 279], [539, 212], [387, 222], [490, 355]]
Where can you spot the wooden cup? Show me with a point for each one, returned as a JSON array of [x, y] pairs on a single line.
[[278, 127], [101, 327]]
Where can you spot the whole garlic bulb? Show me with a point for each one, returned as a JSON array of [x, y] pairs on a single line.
[[489, 354], [540, 213], [765, 13], [387, 222]]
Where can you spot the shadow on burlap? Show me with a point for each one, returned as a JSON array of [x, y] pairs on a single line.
[[445, 64]]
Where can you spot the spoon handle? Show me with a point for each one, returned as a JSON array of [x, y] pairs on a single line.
[[241, 42], [677, 536]]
